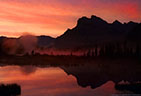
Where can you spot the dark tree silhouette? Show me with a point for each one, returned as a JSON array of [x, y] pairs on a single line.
[[10, 90]]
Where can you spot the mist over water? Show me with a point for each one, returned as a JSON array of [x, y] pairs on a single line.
[[28, 43], [21, 45], [53, 51], [10, 46]]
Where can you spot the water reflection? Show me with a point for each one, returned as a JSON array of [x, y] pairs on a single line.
[[135, 88], [28, 69], [97, 75], [74, 79]]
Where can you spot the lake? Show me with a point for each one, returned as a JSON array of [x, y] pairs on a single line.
[[71, 80]]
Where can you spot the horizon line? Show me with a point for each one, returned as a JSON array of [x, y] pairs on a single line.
[[31, 33]]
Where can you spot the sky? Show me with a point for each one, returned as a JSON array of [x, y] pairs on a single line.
[[54, 17]]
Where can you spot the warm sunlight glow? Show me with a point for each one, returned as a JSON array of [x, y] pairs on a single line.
[[53, 17]]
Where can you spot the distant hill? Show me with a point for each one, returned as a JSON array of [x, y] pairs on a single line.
[[42, 40], [93, 31], [1, 38], [45, 40]]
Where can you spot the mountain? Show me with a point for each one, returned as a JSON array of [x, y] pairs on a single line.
[[90, 32], [45, 41], [85, 33], [135, 34]]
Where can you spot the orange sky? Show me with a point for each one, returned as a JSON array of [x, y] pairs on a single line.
[[54, 17]]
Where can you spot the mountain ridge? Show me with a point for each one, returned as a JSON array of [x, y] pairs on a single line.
[[94, 31], [90, 32]]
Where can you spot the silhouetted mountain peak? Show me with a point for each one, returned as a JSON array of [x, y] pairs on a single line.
[[116, 22], [44, 36], [131, 23], [94, 31], [2, 36], [94, 20], [93, 17], [68, 29], [83, 20]]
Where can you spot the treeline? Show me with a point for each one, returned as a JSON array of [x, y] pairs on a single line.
[[107, 50], [115, 50]]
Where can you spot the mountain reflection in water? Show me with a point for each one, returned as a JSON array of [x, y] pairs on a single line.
[[103, 78]]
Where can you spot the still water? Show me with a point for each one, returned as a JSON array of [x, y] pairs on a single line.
[[50, 81], [86, 79]]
